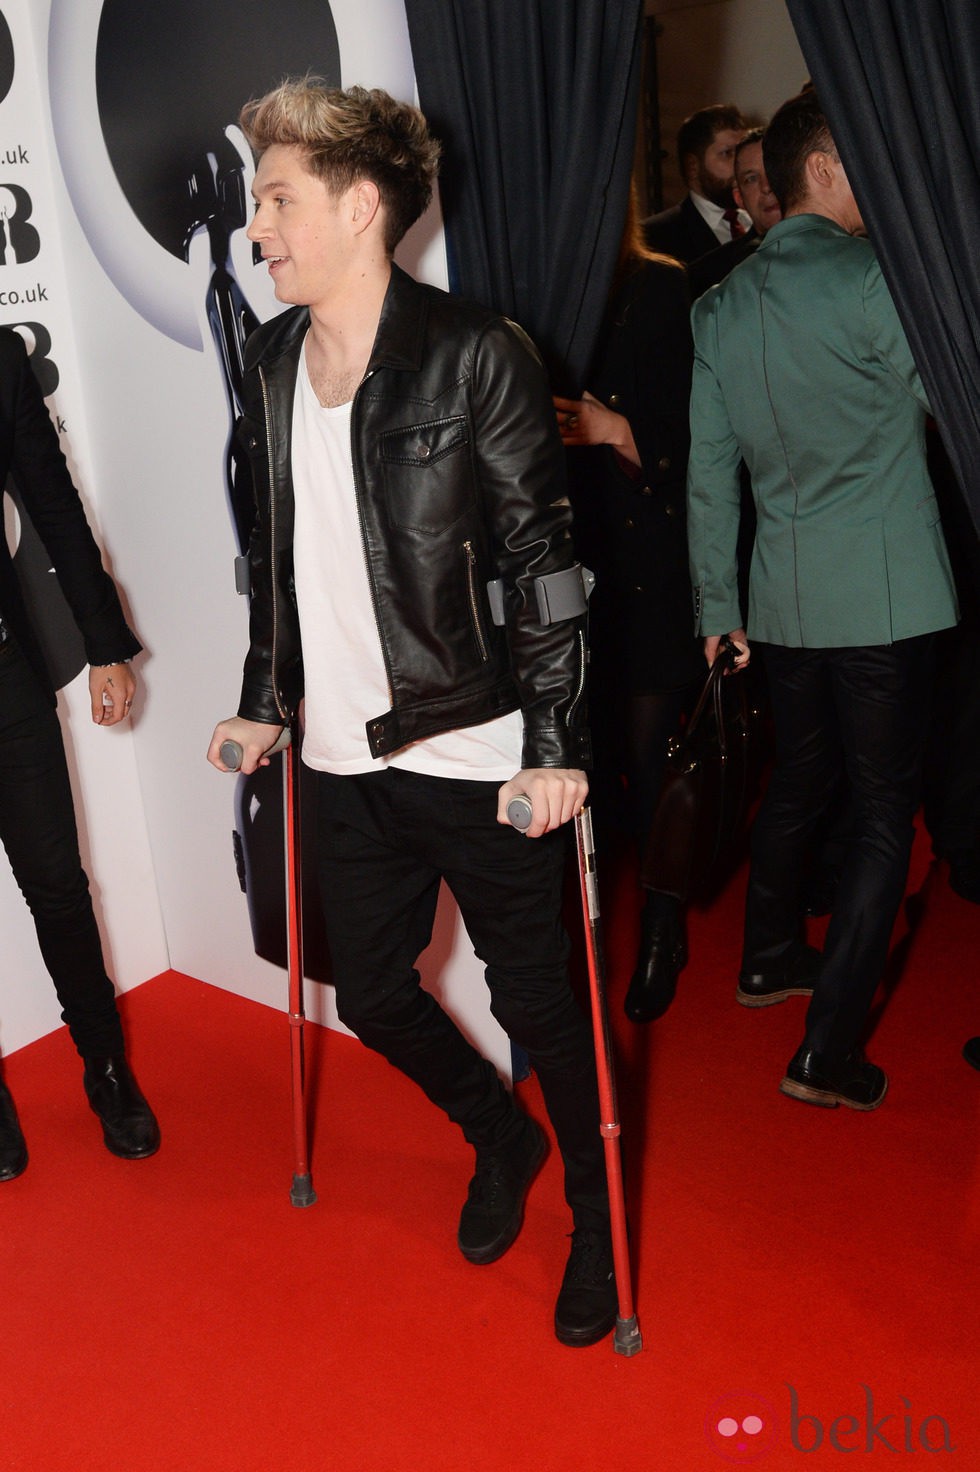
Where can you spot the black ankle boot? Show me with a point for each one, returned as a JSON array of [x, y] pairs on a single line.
[[13, 1149], [662, 956], [128, 1124]]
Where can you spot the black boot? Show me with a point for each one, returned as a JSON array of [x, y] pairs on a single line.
[[128, 1124], [13, 1148], [662, 956]]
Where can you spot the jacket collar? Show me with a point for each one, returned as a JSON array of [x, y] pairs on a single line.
[[799, 225], [398, 341]]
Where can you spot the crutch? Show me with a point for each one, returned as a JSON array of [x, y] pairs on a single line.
[[302, 1192], [626, 1339]]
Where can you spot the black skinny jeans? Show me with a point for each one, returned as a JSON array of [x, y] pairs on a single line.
[[37, 827], [386, 839], [867, 709]]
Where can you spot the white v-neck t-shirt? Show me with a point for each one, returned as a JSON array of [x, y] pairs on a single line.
[[345, 677]]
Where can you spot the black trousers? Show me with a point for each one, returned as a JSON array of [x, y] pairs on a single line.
[[386, 839], [866, 709], [37, 827]]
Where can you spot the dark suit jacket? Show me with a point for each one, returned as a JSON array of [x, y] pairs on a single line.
[[630, 524], [680, 232], [715, 266], [30, 452]]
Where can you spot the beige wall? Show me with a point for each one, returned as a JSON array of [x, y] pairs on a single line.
[[742, 51]]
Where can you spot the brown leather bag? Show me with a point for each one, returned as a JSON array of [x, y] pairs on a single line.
[[707, 784]]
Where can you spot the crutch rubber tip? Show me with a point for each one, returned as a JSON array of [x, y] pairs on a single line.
[[627, 1339], [519, 813], [302, 1192]]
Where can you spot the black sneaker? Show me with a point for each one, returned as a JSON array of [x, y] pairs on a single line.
[[587, 1304], [494, 1209]]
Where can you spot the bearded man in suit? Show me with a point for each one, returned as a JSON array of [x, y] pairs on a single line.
[[707, 216]]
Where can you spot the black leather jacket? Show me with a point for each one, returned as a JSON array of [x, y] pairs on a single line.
[[459, 478]]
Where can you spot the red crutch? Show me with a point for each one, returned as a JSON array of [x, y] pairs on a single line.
[[626, 1339], [301, 1192]]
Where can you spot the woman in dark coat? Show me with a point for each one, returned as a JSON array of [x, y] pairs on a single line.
[[630, 435], [37, 819]]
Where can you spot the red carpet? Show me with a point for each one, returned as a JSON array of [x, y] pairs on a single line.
[[815, 1270]]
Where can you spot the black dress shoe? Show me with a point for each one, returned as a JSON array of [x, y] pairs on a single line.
[[855, 1082], [13, 1147], [494, 1208], [587, 1304], [662, 957], [971, 1052], [762, 988], [128, 1124]]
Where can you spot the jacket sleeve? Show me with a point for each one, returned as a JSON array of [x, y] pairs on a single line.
[[41, 475], [713, 487], [888, 335], [521, 471]]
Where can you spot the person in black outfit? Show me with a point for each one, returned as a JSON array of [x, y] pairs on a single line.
[[630, 433], [403, 454], [37, 820]]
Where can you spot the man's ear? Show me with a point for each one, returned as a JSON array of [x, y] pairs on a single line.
[[819, 169], [692, 166], [737, 196], [366, 202]]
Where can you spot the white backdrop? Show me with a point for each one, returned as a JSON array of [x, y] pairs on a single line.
[[152, 464]]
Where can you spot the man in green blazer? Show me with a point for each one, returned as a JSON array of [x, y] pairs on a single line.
[[803, 369]]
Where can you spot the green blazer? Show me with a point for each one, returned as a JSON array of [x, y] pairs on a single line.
[[802, 369]]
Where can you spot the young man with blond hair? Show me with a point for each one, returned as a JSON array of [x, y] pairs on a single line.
[[410, 501]]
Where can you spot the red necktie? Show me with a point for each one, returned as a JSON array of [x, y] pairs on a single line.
[[734, 223]]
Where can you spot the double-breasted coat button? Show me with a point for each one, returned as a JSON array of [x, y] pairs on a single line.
[[613, 400], [663, 463]]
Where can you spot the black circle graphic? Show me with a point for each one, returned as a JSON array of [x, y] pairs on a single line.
[[6, 57], [170, 77]]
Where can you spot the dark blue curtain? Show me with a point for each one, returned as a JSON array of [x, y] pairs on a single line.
[[899, 81], [535, 103]]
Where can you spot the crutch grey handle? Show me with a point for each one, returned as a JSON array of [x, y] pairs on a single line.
[[231, 752], [519, 813]]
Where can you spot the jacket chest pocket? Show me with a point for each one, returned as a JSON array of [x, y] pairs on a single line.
[[428, 483]]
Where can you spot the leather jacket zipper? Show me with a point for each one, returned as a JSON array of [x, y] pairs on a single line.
[[472, 593], [582, 671]]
